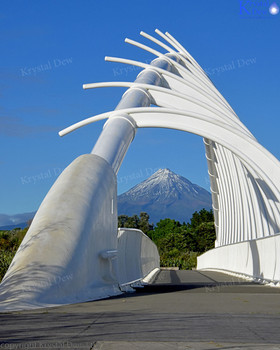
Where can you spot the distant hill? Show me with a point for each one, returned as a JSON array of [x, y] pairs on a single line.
[[165, 195], [9, 222]]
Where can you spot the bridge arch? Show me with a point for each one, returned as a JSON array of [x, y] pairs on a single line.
[[80, 209]]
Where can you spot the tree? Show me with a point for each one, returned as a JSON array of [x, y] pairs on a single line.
[[205, 236], [203, 216], [178, 244], [144, 223], [122, 219], [132, 222], [164, 228]]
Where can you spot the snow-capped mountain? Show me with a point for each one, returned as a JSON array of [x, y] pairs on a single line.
[[164, 195]]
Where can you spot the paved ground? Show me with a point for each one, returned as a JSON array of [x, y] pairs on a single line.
[[181, 310]]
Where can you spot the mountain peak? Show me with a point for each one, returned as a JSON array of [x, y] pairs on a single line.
[[163, 183], [164, 189], [163, 173]]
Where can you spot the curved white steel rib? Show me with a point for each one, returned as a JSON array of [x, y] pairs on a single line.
[[145, 47], [193, 68], [184, 71], [167, 98], [197, 72], [82, 123], [206, 126], [129, 111], [158, 42], [244, 181], [246, 198], [222, 162], [192, 65], [247, 149], [175, 82]]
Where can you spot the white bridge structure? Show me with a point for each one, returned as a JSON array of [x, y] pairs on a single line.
[[74, 251]]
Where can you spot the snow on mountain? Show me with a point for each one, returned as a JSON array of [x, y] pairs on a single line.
[[164, 195]]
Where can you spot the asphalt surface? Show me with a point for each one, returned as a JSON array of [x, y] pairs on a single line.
[[181, 310]]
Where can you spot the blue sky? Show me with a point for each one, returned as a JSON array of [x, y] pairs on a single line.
[[50, 48]]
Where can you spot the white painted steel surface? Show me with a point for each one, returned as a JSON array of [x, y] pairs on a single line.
[[137, 257], [61, 259], [71, 252], [244, 176], [258, 259]]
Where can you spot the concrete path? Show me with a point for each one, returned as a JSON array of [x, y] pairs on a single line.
[[181, 310]]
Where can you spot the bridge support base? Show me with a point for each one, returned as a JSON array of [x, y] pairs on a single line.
[[257, 259]]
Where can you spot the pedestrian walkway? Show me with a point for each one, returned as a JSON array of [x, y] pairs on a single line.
[[181, 310]]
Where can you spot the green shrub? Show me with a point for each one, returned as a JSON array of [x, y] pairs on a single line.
[[9, 243], [175, 258], [6, 258]]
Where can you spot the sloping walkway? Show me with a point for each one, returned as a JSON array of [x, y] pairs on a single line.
[[181, 310]]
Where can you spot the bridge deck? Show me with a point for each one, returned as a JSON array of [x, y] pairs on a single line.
[[181, 310]]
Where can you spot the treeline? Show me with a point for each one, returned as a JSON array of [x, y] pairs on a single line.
[[9, 243], [178, 244]]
